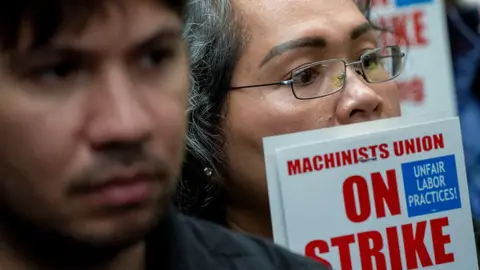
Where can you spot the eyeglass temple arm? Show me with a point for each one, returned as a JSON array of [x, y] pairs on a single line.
[[287, 82]]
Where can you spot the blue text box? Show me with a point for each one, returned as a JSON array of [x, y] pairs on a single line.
[[404, 3], [431, 185]]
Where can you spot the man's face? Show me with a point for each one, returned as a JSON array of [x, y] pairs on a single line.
[[92, 125], [328, 29]]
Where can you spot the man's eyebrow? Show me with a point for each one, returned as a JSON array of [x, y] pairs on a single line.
[[18, 60], [164, 35], [312, 42]]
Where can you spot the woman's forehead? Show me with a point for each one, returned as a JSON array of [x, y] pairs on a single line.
[[285, 19]]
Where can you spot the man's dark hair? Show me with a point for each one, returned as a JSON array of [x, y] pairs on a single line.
[[45, 18]]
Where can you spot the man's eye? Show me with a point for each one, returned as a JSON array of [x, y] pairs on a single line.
[[58, 71], [155, 57]]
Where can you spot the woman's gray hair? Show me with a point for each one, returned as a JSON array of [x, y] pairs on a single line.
[[215, 36]]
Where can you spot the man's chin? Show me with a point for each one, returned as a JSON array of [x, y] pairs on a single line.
[[114, 239], [114, 232], [117, 227]]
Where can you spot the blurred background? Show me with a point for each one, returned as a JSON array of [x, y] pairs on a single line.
[[463, 21], [442, 70]]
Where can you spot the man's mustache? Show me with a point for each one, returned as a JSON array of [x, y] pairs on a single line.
[[107, 166]]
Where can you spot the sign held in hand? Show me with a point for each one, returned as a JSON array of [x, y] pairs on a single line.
[[386, 199]]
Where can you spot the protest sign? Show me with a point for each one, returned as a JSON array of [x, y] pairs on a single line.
[[271, 144], [388, 198], [426, 83]]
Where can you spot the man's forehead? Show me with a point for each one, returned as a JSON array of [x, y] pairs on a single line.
[[116, 27]]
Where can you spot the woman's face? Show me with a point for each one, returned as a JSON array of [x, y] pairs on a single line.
[[314, 30]]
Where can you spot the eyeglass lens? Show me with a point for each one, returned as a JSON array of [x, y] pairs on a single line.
[[382, 64], [326, 77]]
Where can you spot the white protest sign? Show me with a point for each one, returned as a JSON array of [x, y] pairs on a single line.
[[426, 83], [390, 199], [271, 144]]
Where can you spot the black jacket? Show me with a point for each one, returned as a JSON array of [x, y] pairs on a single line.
[[184, 243]]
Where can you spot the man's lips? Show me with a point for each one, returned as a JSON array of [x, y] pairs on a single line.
[[122, 190]]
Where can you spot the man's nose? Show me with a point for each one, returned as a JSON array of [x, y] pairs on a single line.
[[358, 102], [118, 113]]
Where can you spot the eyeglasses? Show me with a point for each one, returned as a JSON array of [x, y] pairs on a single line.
[[324, 78]]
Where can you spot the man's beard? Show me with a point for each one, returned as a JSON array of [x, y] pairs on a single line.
[[41, 239], [46, 246]]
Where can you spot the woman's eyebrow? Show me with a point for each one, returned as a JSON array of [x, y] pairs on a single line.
[[312, 42]]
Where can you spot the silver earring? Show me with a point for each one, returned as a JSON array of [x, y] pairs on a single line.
[[208, 171]]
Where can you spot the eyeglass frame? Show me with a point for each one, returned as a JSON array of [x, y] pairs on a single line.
[[346, 64]]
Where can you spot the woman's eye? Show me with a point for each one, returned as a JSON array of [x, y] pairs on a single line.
[[306, 76], [371, 61]]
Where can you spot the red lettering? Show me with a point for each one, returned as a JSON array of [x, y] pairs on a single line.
[[384, 153], [317, 247], [343, 244], [417, 90], [338, 159], [427, 143], [419, 28], [355, 155], [373, 248], [410, 146], [369, 252], [438, 141], [412, 91], [394, 248], [440, 240], [349, 199], [400, 29], [329, 160], [294, 167], [362, 152], [373, 150], [386, 194], [351, 156], [414, 242], [418, 144], [307, 165], [407, 29], [377, 3], [317, 163], [347, 157]]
